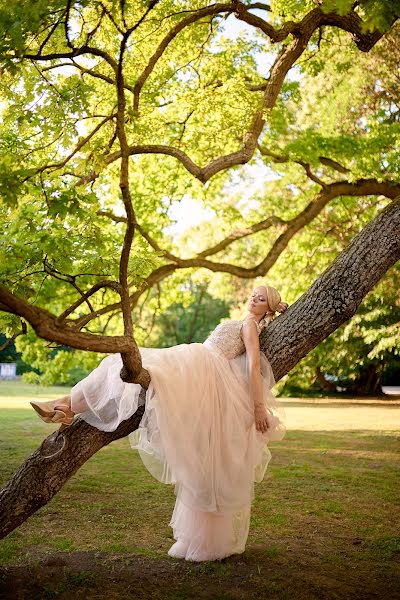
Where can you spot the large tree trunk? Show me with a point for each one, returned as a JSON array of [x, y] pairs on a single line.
[[45, 471], [329, 302], [335, 295], [368, 381]]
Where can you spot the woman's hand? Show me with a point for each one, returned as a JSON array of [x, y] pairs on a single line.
[[260, 416], [282, 306]]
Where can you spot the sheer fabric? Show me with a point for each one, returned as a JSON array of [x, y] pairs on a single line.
[[197, 432]]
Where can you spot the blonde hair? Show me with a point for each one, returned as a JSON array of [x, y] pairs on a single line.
[[273, 300]]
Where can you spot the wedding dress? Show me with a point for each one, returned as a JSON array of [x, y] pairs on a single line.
[[197, 432]]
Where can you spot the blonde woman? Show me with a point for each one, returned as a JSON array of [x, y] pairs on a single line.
[[209, 415]]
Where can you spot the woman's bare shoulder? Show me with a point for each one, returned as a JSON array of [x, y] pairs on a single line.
[[250, 328]]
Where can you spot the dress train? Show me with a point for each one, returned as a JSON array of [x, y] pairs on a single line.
[[198, 433]]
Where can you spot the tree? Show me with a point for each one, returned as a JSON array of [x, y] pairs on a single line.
[[185, 323], [95, 95], [363, 353]]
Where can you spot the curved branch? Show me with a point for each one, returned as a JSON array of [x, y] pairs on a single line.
[[114, 285], [85, 49], [132, 363], [351, 23], [316, 18], [333, 190], [86, 71], [233, 237], [242, 233], [46, 326], [155, 277], [199, 14], [278, 73], [333, 164], [283, 158], [330, 301]]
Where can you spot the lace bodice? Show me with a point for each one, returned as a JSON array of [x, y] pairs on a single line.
[[227, 340]]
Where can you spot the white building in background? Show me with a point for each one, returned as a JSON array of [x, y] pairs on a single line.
[[8, 370]]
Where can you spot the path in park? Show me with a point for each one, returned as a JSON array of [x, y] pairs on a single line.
[[315, 414], [329, 414]]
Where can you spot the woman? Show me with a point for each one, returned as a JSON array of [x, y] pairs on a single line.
[[209, 415]]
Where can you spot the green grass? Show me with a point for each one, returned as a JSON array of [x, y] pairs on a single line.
[[329, 500], [21, 391]]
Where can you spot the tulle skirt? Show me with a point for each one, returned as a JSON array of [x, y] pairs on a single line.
[[198, 433]]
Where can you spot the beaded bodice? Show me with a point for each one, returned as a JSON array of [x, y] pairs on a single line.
[[227, 340]]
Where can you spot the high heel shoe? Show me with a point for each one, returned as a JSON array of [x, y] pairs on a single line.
[[55, 411]]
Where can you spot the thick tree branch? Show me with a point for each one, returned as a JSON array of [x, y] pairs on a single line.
[[363, 187], [66, 25], [132, 364], [61, 454], [330, 301], [336, 294], [46, 326], [312, 21]]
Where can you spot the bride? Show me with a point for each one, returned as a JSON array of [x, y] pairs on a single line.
[[209, 415]]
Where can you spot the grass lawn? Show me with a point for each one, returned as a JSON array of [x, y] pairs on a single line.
[[325, 522]]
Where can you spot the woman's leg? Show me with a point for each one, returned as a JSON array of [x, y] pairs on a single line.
[[78, 403]]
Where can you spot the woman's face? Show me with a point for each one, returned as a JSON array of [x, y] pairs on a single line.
[[258, 304]]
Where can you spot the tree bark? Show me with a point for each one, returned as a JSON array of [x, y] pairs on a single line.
[[330, 301], [45, 471], [368, 382], [335, 295]]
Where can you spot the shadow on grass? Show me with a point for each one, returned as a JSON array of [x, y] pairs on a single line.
[[261, 572]]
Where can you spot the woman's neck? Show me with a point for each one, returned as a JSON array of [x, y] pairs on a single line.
[[251, 316]]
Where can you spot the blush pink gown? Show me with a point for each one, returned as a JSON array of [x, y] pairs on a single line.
[[197, 432]]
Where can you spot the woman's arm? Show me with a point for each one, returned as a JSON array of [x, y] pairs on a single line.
[[252, 343]]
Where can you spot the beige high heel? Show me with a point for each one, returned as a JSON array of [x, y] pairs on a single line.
[[55, 411]]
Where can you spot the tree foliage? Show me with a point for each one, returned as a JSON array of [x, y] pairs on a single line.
[[111, 114]]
